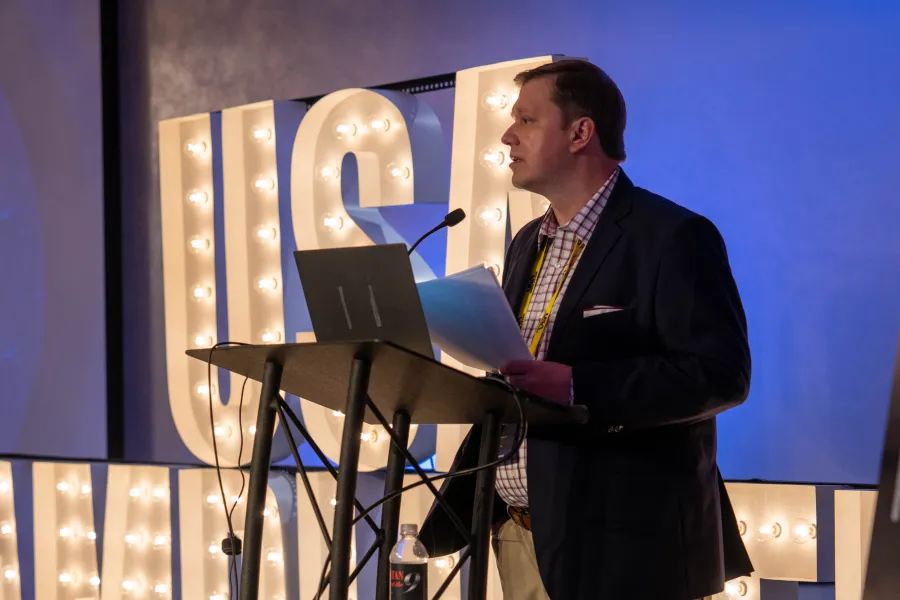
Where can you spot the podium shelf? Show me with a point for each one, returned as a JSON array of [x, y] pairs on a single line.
[[429, 391]]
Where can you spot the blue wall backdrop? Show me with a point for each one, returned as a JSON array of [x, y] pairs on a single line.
[[777, 120], [52, 334]]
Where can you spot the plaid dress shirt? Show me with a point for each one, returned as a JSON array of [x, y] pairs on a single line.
[[512, 478]]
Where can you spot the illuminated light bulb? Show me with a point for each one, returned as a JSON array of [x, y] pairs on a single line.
[[369, 436], [274, 556], [736, 588], [222, 431], [130, 585], [134, 539], [337, 413], [63, 486], [493, 268], [66, 577], [379, 124], [196, 147], [198, 197], [333, 501], [160, 493], [160, 541], [66, 532], [252, 430], [492, 158], [270, 337], [203, 390], [487, 215], [161, 588], [445, 563], [262, 134], [94, 581], [272, 511], [85, 489], [495, 101], [203, 341], [742, 528], [6, 529], [267, 284], [91, 535], [545, 205], [212, 498], [803, 531], [397, 172], [266, 234], [217, 597], [9, 573], [202, 292], [199, 244], [342, 130], [136, 492], [5, 486], [264, 184], [237, 499], [768, 531], [213, 549], [330, 172], [332, 222]]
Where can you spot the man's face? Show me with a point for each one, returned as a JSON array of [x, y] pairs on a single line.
[[538, 141]]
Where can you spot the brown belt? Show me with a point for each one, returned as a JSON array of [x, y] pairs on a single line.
[[520, 516]]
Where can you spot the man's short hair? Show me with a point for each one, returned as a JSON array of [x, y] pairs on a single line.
[[582, 89]]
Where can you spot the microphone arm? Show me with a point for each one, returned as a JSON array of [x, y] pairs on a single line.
[[451, 220]]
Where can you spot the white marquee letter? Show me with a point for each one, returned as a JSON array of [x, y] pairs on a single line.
[[254, 278], [396, 140]]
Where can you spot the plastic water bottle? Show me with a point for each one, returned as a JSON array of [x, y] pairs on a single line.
[[409, 566]]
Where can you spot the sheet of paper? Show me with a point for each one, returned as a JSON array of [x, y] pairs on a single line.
[[470, 319]]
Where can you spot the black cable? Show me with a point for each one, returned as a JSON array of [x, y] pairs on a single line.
[[212, 425], [521, 433]]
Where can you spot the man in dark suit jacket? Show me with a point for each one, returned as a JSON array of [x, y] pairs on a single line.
[[629, 306]]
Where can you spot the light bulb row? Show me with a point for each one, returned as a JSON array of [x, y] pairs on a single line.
[[141, 492], [264, 234], [67, 487], [348, 129], [395, 171], [264, 284], [801, 530]]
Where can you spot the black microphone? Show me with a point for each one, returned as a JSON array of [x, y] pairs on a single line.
[[453, 218]]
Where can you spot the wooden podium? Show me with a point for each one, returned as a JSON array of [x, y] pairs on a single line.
[[376, 382]]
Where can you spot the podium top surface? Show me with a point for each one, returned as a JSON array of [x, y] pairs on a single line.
[[431, 392]]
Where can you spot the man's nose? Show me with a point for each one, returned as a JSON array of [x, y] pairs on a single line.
[[509, 138]]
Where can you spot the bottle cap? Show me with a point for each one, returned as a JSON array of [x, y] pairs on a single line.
[[409, 529]]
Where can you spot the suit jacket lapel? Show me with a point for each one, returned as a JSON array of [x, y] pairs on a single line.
[[602, 241], [521, 260]]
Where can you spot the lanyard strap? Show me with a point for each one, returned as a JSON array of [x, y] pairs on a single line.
[[532, 284]]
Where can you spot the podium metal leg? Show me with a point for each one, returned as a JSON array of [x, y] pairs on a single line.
[[390, 512], [259, 475], [346, 484], [484, 508]]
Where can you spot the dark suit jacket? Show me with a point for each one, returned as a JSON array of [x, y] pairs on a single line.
[[631, 505]]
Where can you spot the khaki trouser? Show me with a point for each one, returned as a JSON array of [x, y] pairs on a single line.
[[519, 576]]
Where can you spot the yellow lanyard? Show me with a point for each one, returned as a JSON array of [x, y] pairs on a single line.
[[532, 284]]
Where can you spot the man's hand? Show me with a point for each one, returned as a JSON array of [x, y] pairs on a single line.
[[549, 380]]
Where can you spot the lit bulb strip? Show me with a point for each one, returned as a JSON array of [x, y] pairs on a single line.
[[204, 567], [63, 518]]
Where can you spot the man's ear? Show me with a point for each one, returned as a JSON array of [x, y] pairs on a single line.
[[581, 133]]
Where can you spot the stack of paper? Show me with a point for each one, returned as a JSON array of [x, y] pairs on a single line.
[[470, 319]]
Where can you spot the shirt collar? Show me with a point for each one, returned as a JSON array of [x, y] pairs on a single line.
[[582, 224]]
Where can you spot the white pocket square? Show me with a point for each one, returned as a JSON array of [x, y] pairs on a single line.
[[593, 311]]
